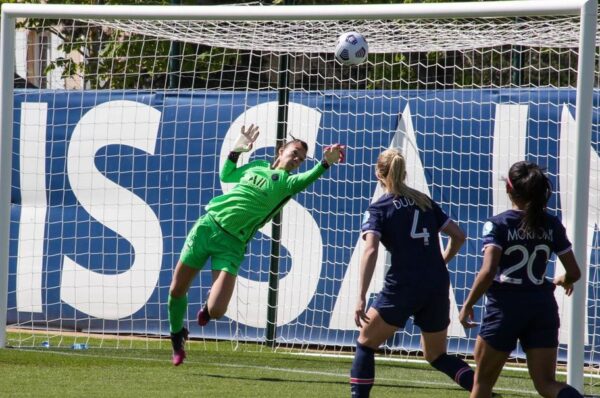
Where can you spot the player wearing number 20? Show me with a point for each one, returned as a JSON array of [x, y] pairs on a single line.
[[407, 223], [517, 246]]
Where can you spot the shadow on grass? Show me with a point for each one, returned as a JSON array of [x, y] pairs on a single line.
[[329, 382]]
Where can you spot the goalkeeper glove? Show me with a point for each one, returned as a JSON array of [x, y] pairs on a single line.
[[334, 153], [246, 139]]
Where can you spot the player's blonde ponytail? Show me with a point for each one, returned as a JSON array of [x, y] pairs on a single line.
[[391, 170]]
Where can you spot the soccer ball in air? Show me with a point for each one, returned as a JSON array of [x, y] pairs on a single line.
[[351, 48]]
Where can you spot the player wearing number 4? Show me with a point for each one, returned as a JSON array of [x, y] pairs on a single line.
[[230, 222], [407, 223], [520, 305]]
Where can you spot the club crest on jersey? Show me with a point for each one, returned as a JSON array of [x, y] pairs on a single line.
[[488, 227], [275, 177]]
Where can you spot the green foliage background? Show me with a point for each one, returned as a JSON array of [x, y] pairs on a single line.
[[117, 60]]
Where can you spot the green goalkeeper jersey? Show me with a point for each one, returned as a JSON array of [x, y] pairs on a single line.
[[259, 195]]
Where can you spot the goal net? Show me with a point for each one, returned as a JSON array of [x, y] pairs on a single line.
[[121, 124]]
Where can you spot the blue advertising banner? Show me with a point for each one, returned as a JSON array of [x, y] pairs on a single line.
[[107, 184]]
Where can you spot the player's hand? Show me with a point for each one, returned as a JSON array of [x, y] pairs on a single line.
[[560, 280], [360, 316], [246, 139], [467, 316], [334, 153]]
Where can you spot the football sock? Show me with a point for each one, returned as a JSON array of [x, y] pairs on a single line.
[[457, 369], [362, 374], [568, 392], [177, 308], [178, 339]]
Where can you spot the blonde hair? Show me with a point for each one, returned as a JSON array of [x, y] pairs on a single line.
[[391, 170]]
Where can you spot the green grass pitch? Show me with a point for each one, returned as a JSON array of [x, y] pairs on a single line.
[[142, 368]]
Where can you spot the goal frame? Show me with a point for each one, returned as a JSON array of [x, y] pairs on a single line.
[[586, 9]]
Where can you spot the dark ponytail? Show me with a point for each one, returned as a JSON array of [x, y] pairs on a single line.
[[529, 186]]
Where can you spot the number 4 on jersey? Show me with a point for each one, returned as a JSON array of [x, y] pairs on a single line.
[[424, 234]]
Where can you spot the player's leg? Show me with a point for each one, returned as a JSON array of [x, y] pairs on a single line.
[[180, 284], [221, 292], [227, 254], [433, 319], [362, 374], [434, 350], [177, 307], [540, 343], [218, 297], [502, 325], [489, 365], [193, 257], [541, 363]]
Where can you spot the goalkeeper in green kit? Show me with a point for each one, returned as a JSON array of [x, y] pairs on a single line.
[[230, 222]]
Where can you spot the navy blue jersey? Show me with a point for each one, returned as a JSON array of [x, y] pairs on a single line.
[[525, 255], [411, 236]]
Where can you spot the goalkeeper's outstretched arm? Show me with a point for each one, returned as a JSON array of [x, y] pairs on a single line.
[[244, 143], [333, 154]]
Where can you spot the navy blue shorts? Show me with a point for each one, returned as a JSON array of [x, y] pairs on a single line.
[[530, 318], [431, 312]]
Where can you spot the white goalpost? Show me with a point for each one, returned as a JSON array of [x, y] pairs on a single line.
[[115, 122]]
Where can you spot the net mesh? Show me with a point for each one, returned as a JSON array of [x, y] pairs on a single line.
[[385, 36], [138, 116]]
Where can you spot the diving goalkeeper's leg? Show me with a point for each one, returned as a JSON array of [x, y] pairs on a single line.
[[219, 296], [177, 306], [178, 342], [203, 316]]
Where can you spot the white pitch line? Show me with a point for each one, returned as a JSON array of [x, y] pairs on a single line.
[[424, 362]]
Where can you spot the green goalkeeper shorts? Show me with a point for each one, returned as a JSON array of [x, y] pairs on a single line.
[[207, 239]]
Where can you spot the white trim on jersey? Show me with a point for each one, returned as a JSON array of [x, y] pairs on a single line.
[[568, 249], [491, 244], [371, 231]]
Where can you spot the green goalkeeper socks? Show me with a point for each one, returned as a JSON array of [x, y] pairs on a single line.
[[177, 308]]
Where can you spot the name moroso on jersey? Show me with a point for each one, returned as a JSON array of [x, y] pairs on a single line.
[[525, 254]]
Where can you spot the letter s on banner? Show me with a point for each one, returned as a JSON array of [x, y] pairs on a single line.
[[113, 296]]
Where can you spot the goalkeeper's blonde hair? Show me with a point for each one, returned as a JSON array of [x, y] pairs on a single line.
[[391, 171]]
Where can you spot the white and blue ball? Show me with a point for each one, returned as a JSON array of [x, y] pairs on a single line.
[[351, 49]]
